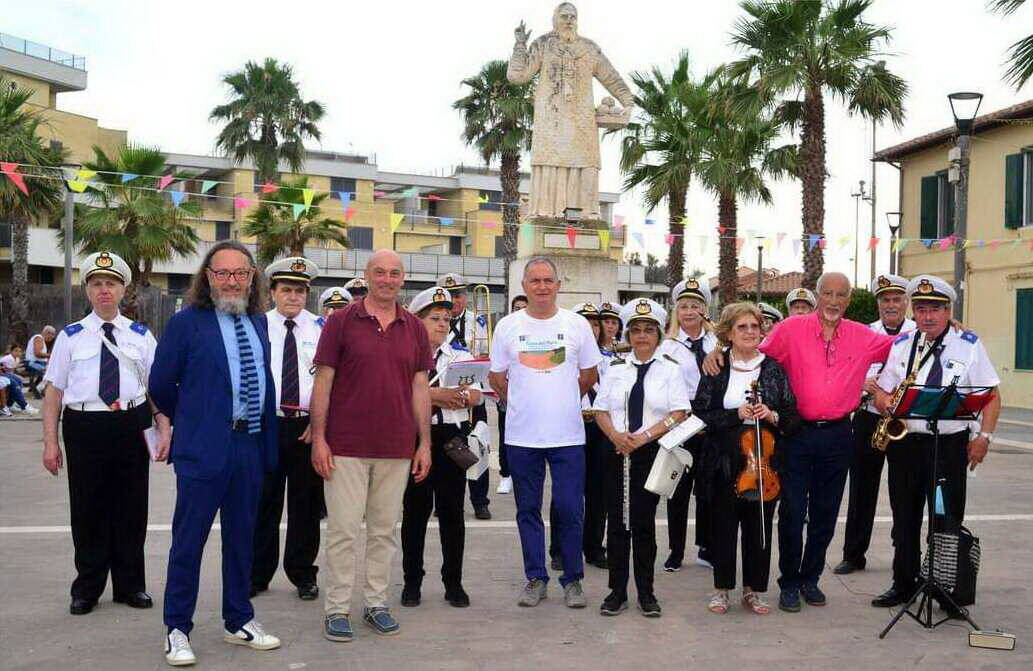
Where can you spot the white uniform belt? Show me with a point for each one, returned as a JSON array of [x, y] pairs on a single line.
[[101, 406]]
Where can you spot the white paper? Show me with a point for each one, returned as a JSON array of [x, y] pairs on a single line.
[[152, 438], [480, 443], [681, 433], [468, 373]]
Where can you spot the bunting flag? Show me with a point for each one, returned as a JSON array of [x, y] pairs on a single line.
[[821, 243], [483, 199], [432, 196], [306, 195], [411, 192], [177, 197], [241, 203], [346, 198], [527, 230], [618, 222], [899, 244], [490, 224], [928, 242], [396, 219], [128, 177], [207, 185], [639, 238], [994, 244], [297, 208], [571, 236], [780, 238], [844, 240], [669, 239], [164, 181], [11, 170], [797, 245], [981, 243], [446, 221], [86, 174], [604, 239], [77, 185], [739, 242], [268, 187], [379, 194], [873, 243], [650, 222], [946, 242], [721, 230], [768, 242], [965, 244], [349, 213], [812, 241]]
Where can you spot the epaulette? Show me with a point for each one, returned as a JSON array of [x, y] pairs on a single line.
[[321, 321], [72, 329], [900, 338], [139, 328], [456, 345], [482, 320], [969, 336], [671, 358]]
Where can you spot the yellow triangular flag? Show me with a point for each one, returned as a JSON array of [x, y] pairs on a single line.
[[604, 240], [396, 219], [86, 174], [307, 195], [77, 185]]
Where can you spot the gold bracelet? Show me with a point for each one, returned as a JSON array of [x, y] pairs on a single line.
[[669, 422]]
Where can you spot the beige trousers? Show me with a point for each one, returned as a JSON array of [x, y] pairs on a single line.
[[358, 489]]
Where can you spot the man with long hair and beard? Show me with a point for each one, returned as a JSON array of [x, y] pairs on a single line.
[[212, 376]]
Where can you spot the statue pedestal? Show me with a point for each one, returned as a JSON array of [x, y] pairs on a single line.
[[587, 273]]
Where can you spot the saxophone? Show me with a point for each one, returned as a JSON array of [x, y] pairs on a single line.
[[894, 428]]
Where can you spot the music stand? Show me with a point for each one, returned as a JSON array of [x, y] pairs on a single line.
[[933, 403]]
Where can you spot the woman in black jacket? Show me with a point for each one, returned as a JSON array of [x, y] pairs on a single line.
[[722, 404]]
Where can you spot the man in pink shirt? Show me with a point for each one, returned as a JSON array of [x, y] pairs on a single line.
[[827, 359]]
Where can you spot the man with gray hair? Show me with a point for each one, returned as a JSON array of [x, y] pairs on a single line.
[[543, 360], [37, 354]]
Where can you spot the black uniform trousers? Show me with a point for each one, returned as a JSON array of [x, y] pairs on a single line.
[[910, 467], [479, 487], [678, 508], [731, 514], [594, 532], [638, 545], [865, 477], [304, 490], [108, 468], [442, 490]]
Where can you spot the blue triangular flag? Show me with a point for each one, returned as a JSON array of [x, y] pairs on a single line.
[[346, 197], [928, 242], [650, 222], [177, 197], [812, 241], [128, 176], [447, 221]]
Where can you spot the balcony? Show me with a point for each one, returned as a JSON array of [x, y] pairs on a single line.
[[62, 70]]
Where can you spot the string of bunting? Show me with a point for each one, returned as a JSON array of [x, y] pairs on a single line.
[[82, 179]]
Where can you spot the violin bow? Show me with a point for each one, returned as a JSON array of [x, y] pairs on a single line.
[[759, 447]]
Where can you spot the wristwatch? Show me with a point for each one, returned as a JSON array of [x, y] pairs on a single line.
[[989, 435]]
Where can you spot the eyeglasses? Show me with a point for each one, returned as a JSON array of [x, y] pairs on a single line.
[[224, 275]]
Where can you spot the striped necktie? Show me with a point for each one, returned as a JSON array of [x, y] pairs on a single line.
[[248, 377], [108, 386], [290, 393]]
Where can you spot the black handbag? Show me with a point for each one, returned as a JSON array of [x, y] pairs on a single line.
[[458, 451]]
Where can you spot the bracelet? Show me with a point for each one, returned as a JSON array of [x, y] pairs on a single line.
[[669, 421], [648, 435]]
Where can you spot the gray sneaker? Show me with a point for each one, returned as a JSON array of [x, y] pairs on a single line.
[[573, 595], [534, 592]]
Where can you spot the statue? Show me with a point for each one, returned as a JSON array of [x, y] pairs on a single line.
[[565, 142]]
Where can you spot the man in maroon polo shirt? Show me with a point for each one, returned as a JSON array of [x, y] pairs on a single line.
[[370, 408]]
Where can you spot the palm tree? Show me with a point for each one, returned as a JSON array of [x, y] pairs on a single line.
[[1020, 54], [661, 145], [266, 120], [132, 219], [279, 231], [20, 143], [796, 53], [737, 153], [497, 121]]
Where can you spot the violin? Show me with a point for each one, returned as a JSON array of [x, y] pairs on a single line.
[[757, 481]]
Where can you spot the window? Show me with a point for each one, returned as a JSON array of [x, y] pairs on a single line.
[[494, 201], [338, 184], [5, 235], [455, 245], [1018, 189], [937, 218], [178, 283], [57, 146], [222, 230], [46, 275], [360, 237], [1023, 327]]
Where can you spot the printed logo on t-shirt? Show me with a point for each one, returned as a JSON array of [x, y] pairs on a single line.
[[543, 355]]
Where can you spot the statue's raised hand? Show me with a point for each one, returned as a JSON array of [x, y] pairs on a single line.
[[521, 33]]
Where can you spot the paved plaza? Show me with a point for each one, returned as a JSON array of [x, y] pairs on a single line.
[[36, 631]]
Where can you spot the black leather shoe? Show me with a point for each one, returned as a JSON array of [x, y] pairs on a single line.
[[847, 567], [890, 598], [598, 561], [649, 606], [258, 589], [557, 563], [410, 596], [482, 513], [308, 591], [138, 600], [457, 597], [82, 606]]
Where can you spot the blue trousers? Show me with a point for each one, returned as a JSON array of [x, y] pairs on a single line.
[[234, 494], [14, 391], [815, 468], [567, 466]]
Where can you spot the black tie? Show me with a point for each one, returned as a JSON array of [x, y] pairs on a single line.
[[459, 329], [935, 376], [108, 386], [637, 398], [290, 394], [437, 383], [697, 348]]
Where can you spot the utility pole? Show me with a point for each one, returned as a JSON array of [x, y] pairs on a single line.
[[760, 268], [872, 250]]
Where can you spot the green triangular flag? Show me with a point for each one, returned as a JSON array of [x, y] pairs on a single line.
[[207, 185], [298, 209]]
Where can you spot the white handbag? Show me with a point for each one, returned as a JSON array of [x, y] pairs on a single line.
[[667, 471], [479, 442]]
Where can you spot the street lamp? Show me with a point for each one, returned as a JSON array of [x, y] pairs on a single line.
[[858, 196], [964, 107], [893, 221]]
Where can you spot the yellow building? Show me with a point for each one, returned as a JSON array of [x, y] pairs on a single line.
[[999, 262]]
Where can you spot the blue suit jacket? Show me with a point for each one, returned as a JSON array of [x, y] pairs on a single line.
[[190, 383]]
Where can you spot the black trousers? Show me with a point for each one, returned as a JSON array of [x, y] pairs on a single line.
[[594, 531], [503, 458], [678, 508], [304, 490], [638, 545], [731, 514], [443, 490], [108, 469], [910, 467], [479, 487], [865, 477]]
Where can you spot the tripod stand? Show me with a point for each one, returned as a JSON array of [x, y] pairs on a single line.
[[933, 404]]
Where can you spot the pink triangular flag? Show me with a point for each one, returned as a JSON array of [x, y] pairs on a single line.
[[946, 242], [241, 203], [432, 196], [821, 243], [669, 238], [11, 170], [164, 181], [618, 222], [349, 213], [571, 235], [379, 194], [268, 187], [873, 243], [490, 224]]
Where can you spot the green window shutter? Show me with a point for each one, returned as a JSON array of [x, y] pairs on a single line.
[[1023, 329], [948, 210], [929, 202], [1013, 178]]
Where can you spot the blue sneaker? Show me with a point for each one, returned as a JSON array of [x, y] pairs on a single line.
[[336, 627], [381, 620], [812, 595], [789, 600]]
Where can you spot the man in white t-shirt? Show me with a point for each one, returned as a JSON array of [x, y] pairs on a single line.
[[543, 360]]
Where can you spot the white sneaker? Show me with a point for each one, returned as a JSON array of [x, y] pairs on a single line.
[[505, 486], [177, 649], [253, 636], [30, 410], [5, 412], [15, 409]]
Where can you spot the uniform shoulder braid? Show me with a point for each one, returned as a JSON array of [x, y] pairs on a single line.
[[901, 338], [72, 329], [970, 337], [139, 328]]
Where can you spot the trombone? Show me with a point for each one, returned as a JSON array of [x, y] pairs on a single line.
[[481, 306]]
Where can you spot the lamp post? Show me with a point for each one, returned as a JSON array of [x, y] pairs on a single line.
[[858, 196], [760, 268], [893, 221], [964, 106], [68, 225]]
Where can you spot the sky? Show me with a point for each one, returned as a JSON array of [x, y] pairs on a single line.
[[388, 72]]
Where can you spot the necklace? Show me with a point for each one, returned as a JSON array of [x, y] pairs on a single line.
[[759, 359]]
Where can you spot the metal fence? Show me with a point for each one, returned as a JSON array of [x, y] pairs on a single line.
[[42, 51]]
